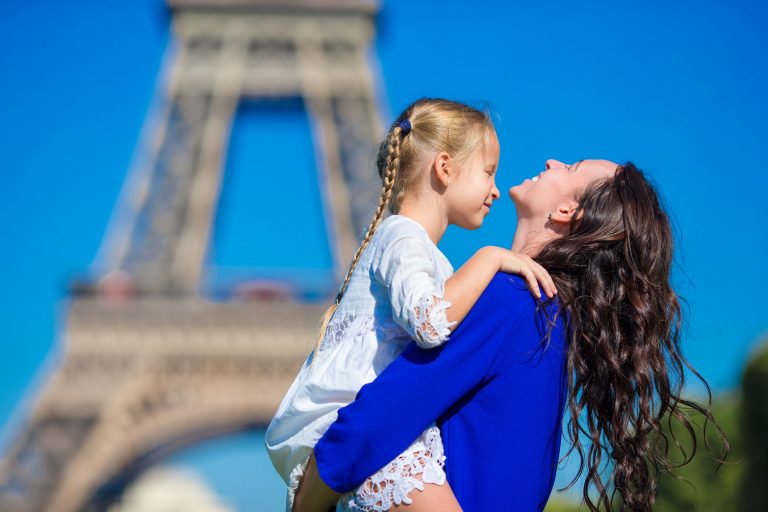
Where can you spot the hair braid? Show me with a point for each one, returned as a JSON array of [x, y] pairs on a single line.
[[428, 124], [392, 143]]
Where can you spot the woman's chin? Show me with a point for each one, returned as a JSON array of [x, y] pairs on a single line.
[[516, 192], [516, 195]]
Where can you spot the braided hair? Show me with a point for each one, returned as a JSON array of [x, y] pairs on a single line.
[[426, 126]]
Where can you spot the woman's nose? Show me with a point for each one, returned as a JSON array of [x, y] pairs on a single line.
[[495, 194], [553, 163]]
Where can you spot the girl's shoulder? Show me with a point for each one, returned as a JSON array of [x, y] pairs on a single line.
[[396, 227], [400, 238]]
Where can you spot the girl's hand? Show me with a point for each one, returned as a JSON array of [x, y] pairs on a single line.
[[532, 272]]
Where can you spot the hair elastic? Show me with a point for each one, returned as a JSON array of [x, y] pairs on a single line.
[[405, 126]]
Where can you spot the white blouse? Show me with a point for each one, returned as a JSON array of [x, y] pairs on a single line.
[[395, 295]]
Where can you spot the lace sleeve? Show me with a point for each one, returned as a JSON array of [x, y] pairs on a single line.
[[430, 321], [403, 264]]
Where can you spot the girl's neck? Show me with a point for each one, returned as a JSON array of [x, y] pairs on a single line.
[[429, 215]]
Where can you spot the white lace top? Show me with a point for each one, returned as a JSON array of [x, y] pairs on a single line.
[[395, 296]]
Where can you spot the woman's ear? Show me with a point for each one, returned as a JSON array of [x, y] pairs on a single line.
[[564, 212], [442, 169]]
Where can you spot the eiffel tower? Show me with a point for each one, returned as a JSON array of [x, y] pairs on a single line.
[[150, 365]]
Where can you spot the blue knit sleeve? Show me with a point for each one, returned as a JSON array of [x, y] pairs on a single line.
[[414, 391]]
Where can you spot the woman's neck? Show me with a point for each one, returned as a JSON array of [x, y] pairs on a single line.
[[530, 236]]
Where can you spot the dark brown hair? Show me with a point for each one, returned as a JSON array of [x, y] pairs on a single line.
[[626, 370]]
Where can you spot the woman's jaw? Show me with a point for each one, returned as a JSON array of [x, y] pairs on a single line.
[[545, 204]]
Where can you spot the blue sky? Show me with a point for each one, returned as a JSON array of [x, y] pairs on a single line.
[[679, 88]]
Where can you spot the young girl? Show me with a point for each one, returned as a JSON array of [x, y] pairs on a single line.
[[438, 164]]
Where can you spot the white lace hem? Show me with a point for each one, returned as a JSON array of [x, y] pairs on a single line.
[[431, 323], [421, 463], [294, 479]]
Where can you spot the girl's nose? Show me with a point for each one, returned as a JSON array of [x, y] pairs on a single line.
[[495, 194]]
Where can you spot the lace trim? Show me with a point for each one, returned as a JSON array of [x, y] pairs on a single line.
[[430, 322], [344, 326], [294, 479], [422, 463]]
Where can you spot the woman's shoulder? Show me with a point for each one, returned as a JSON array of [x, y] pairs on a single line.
[[509, 284], [509, 307], [510, 291]]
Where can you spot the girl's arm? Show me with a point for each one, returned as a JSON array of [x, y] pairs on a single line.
[[313, 495], [464, 287], [433, 497], [425, 305]]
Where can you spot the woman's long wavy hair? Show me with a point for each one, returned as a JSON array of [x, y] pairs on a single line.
[[626, 371]]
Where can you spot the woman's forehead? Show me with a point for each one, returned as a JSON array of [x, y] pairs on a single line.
[[601, 166]]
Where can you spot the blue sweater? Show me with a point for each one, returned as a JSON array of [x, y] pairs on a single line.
[[497, 392]]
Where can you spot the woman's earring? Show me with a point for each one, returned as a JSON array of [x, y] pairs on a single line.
[[549, 217]]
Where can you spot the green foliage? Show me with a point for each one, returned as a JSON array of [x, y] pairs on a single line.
[[741, 484], [562, 505], [704, 484], [755, 431]]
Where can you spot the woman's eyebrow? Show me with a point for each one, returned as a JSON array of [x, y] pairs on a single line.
[[576, 165]]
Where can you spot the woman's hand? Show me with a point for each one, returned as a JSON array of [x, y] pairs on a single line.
[[533, 273], [312, 494]]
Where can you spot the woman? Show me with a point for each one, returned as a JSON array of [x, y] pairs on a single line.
[[498, 390]]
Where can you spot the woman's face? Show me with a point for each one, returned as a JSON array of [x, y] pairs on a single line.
[[558, 186]]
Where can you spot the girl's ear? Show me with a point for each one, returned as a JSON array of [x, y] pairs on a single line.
[[441, 168]]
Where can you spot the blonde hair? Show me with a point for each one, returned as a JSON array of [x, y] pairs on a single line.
[[435, 125]]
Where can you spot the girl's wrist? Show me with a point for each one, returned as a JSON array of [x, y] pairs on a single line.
[[493, 255]]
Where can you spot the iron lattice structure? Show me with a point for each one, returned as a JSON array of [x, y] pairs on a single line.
[[148, 364]]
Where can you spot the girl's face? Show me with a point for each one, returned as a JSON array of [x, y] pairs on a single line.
[[473, 190], [558, 186]]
